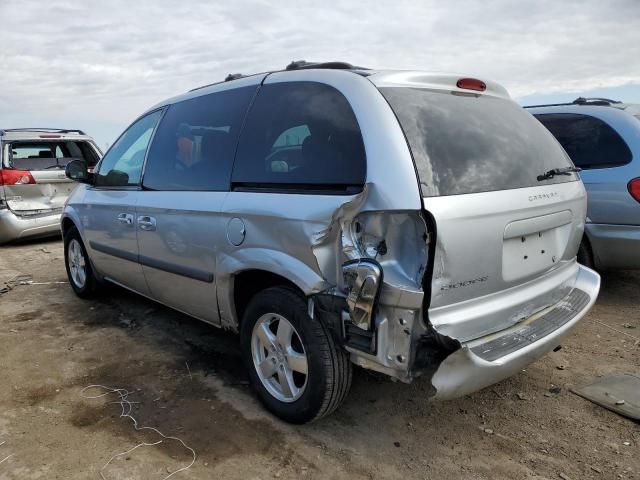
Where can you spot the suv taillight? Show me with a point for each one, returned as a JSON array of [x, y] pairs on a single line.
[[634, 188], [16, 177]]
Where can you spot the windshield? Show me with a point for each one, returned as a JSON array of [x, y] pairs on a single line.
[[474, 143]]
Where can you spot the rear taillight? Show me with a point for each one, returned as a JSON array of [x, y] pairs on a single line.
[[16, 177], [634, 188]]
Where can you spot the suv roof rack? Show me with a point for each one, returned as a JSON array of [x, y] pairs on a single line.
[[43, 129], [303, 65], [294, 65], [233, 76], [601, 102]]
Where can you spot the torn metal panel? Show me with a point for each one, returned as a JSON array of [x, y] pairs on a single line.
[[618, 393], [334, 244], [389, 250]]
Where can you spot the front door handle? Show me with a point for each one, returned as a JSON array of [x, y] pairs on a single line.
[[146, 223], [125, 218]]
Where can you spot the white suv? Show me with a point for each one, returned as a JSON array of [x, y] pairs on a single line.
[[33, 185]]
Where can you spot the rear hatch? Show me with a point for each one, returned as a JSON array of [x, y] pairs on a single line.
[[32, 177], [505, 241]]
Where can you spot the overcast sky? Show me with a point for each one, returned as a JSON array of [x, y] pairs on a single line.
[[96, 65]]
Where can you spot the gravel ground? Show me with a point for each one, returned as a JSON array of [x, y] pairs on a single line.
[[185, 378]]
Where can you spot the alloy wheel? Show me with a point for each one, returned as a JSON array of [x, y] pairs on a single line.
[[77, 263], [279, 357]]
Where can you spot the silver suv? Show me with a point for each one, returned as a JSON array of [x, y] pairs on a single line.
[[408, 223], [33, 185], [603, 138]]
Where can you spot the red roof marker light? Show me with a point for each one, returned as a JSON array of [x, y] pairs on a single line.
[[471, 84]]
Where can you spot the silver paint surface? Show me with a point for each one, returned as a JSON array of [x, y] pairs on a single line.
[[481, 283]]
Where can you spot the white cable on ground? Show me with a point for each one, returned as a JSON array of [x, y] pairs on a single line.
[[126, 407]]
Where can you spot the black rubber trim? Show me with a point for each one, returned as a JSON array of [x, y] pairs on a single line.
[[548, 323], [114, 252], [176, 269], [181, 270]]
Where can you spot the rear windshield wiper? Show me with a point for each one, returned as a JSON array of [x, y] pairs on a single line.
[[558, 171]]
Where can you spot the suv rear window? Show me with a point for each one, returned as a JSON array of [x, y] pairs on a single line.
[[300, 136], [590, 142], [474, 143], [38, 155]]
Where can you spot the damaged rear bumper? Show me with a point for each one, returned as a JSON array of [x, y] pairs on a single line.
[[485, 361], [15, 227]]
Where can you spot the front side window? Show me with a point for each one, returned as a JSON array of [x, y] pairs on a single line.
[[195, 143], [300, 135], [122, 165], [590, 142]]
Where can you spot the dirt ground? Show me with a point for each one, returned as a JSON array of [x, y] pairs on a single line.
[[185, 379]]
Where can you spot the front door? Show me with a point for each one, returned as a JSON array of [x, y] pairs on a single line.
[[108, 212]]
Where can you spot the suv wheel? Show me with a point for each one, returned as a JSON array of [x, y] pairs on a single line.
[[299, 373], [79, 271]]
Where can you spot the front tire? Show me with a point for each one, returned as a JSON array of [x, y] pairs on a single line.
[[79, 270], [296, 368]]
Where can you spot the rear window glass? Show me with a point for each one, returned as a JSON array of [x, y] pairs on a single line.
[[590, 142], [50, 155], [301, 136], [474, 143]]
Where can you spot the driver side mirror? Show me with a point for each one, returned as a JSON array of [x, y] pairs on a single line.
[[77, 171]]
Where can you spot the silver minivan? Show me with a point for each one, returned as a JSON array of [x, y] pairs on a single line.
[[415, 224], [33, 185]]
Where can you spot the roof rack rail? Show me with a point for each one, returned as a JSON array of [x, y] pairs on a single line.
[[594, 101], [233, 76], [602, 102], [294, 65], [303, 65], [43, 129]]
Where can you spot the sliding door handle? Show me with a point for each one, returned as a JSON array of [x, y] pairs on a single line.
[[146, 223], [125, 218]]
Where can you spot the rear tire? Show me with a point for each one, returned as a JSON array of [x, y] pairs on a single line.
[[79, 270], [270, 360], [585, 255]]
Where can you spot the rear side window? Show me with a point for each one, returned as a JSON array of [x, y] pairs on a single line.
[[195, 143], [39, 155], [590, 142], [474, 143], [299, 136]]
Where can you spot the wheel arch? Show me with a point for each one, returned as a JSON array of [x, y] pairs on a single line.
[[245, 272], [66, 224], [247, 283]]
